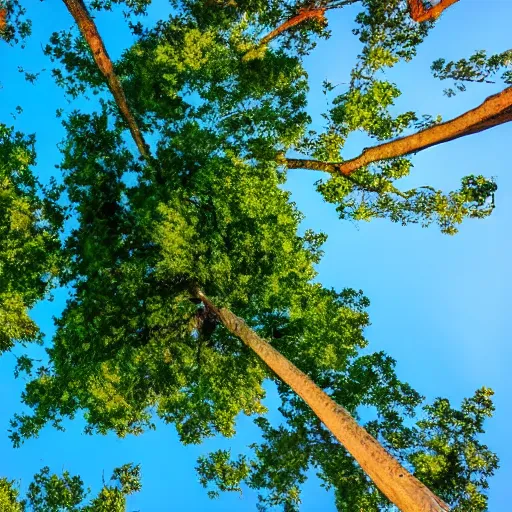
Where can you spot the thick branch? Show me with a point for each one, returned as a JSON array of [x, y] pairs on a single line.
[[400, 487], [495, 110], [313, 13], [90, 32], [419, 13]]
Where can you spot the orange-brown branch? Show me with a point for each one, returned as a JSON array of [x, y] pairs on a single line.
[[304, 14], [420, 13], [495, 110], [3, 18], [90, 32]]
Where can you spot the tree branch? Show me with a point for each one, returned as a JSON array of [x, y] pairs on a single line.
[[419, 13], [3, 18], [495, 110], [304, 14], [393, 480], [99, 52]]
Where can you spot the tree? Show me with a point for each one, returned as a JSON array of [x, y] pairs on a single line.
[[52, 493], [207, 214]]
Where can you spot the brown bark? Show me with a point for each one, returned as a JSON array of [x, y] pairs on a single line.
[[419, 13], [400, 487], [495, 110], [99, 52], [3, 17], [304, 14]]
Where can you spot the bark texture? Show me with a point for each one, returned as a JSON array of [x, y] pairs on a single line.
[[3, 17], [495, 110], [90, 32], [419, 13], [400, 486]]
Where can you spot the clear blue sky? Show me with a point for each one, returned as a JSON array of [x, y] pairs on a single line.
[[439, 303]]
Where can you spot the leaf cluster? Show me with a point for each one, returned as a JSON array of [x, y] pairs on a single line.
[[53, 493], [479, 68]]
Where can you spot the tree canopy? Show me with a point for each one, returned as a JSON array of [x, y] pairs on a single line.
[[215, 99]]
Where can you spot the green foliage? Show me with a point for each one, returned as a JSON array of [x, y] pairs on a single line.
[[448, 455], [366, 108], [28, 239], [228, 228], [367, 195], [79, 73], [52, 493], [132, 6], [9, 497], [218, 470], [478, 68], [388, 35], [371, 191]]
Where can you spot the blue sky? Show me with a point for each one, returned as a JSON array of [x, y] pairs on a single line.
[[439, 303]]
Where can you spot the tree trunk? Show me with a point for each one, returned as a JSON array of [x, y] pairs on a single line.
[[99, 52], [420, 14], [393, 480], [495, 110]]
